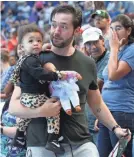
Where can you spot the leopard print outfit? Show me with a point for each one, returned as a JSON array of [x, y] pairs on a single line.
[[33, 101]]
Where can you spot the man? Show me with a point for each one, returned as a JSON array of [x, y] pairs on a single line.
[[93, 41], [65, 23], [102, 21], [94, 46]]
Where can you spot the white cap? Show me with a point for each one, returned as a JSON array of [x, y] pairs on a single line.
[[91, 34]]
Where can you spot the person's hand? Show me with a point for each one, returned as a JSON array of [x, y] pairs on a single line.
[[3, 96], [78, 76], [96, 128], [46, 47], [70, 74], [20, 51], [50, 108], [114, 41], [64, 75], [49, 67], [119, 132]]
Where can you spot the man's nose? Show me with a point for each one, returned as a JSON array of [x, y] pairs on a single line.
[[92, 46], [58, 29]]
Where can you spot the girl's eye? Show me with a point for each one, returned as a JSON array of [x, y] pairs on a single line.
[[30, 41], [39, 41]]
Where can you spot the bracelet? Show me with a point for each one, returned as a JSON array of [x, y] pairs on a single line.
[[116, 126], [1, 129], [59, 75]]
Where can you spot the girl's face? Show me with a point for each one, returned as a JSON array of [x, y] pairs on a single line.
[[32, 43], [121, 31]]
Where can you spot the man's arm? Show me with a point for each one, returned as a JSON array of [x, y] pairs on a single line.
[[9, 131], [101, 111], [50, 108]]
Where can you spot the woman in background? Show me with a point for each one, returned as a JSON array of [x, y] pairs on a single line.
[[118, 88]]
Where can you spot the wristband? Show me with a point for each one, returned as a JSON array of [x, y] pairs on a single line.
[[116, 126], [1, 129], [59, 75]]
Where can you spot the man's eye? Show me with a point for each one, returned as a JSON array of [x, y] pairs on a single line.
[[54, 25], [63, 27]]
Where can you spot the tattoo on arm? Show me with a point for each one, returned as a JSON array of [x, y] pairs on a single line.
[[98, 110]]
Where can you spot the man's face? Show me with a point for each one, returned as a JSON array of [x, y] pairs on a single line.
[[62, 30], [100, 22], [95, 48], [12, 60]]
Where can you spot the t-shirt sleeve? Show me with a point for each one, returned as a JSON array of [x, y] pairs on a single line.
[[32, 65], [128, 56], [93, 85]]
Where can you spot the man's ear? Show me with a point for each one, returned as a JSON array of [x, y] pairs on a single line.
[[77, 31], [109, 21]]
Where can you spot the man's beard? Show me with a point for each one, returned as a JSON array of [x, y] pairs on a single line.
[[63, 43]]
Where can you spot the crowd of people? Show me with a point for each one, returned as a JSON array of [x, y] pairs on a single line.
[[79, 53]]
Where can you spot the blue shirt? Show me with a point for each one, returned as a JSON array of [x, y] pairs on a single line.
[[5, 143], [101, 64], [119, 95], [6, 76]]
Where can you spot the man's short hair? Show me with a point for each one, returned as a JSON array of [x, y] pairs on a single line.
[[68, 9], [92, 34]]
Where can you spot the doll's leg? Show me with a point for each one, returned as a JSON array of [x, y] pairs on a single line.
[[65, 103], [74, 98], [53, 124]]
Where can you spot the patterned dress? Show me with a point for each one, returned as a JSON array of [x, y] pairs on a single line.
[[5, 143]]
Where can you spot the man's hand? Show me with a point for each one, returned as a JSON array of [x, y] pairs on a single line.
[[50, 108], [46, 47], [96, 128], [49, 67], [119, 132]]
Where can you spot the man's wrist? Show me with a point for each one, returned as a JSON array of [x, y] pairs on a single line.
[[115, 127]]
